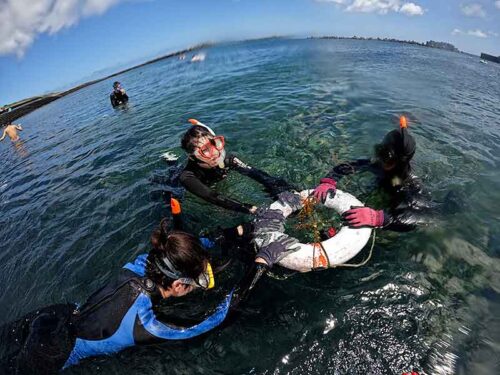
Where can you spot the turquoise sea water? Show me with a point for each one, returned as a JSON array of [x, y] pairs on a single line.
[[76, 204]]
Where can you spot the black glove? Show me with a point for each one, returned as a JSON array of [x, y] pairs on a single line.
[[277, 250], [230, 236], [269, 220], [291, 199], [268, 214], [261, 226]]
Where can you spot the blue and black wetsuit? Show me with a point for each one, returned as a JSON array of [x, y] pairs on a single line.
[[118, 316]]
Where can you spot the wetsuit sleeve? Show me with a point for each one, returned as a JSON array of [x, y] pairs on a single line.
[[415, 208], [272, 185], [352, 167], [113, 100], [160, 330], [198, 188], [405, 220]]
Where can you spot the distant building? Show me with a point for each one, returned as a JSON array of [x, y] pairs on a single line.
[[485, 56], [441, 45]]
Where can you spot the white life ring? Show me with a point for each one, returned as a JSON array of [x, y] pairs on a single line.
[[341, 248]]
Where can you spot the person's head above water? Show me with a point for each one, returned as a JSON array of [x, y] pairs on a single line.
[[397, 149], [203, 146], [177, 262], [117, 85]]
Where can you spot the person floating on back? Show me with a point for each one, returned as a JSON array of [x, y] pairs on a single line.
[[11, 131], [118, 96], [392, 165]]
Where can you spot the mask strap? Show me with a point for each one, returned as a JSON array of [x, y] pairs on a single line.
[[171, 272]]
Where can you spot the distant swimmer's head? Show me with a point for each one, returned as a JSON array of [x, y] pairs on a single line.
[[204, 147], [117, 85], [178, 263], [396, 150]]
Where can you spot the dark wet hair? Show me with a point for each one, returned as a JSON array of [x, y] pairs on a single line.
[[115, 84], [182, 249], [399, 143], [190, 137], [398, 147]]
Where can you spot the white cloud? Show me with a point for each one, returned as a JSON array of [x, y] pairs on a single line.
[[22, 20], [378, 6], [497, 4], [411, 9], [369, 6], [473, 10], [477, 33]]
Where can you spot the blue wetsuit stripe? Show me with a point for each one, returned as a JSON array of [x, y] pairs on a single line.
[[121, 339], [158, 329], [124, 335], [139, 265]]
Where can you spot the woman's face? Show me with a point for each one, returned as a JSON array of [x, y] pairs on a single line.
[[210, 150]]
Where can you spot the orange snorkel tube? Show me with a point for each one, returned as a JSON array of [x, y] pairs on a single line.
[[175, 208], [403, 122]]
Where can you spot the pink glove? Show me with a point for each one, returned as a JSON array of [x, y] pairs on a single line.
[[362, 217], [326, 185]]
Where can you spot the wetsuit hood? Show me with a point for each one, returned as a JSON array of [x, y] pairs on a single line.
[[398, 145]]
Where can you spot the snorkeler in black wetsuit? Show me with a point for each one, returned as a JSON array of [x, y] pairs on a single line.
[[118, 96], [209, 164], [410, 204], [122, 313]]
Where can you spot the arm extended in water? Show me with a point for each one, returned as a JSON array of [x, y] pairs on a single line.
[[345, 169], [272, 185], [198, 188]]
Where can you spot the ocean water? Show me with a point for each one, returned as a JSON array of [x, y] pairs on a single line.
[[77, 203]]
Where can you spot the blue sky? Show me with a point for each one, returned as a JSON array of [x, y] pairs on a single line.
[[50, 44]]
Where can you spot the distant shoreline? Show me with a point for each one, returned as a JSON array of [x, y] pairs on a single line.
[[25, 106], [429, 44]]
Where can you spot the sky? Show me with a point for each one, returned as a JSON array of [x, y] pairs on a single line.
[[48, 45]]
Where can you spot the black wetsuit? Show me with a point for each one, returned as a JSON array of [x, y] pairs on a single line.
[[117, 98], [198, 180], [410, 204]]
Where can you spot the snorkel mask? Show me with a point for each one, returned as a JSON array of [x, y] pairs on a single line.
[[213, 146], [205, 280]]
